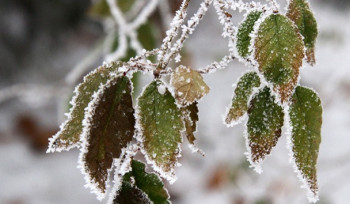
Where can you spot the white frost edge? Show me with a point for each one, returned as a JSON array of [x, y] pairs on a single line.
[[228, 108], [313, 198], [253, 35], [192, 147], [121, 166], [245, 60], [89, 111], [255, 64], [172, 90], [255, 165], [73, 102], [170, 176]]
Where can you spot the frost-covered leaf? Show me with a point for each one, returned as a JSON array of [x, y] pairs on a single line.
[[306, 121], [108, 128], [139, 187], [299, 11], [160, 123], [279, 51], [190, 115], [264, 124], [244, 30], [69, 133], [130, 194], [243, 91], [189, 85]]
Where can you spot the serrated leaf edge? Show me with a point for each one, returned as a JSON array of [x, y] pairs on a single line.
[[121, 166], [263, 83], [172, 89], [192, 147], [247, 60], [73, 102], [169, 176], [93, 186], [289, 144], [257, 166], [255, 64]]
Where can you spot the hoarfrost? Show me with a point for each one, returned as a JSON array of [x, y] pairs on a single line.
[[305, 185]]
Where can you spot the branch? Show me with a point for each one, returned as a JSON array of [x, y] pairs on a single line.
[[217, 65], [178, 20], [187, 30]]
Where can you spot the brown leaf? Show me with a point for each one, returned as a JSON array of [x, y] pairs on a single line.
[[189, 85], [190, 114], [108, 130]]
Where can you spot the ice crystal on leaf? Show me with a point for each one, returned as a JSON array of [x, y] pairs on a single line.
[[69, 134], [279, 51], [103, 122], [160, 125], [242, 93], [140, 187], [244, 31], [108, 128], [189, 85], [190, 118], [306, 120], [264, 125], [299, 12]]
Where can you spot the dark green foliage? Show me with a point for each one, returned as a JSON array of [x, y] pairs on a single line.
[[243, 91], [244, 31], [299, 12], [264, 124], [69, 134], [161, 125], [140, 187], [129, 194], [306, 120], [279, 53]]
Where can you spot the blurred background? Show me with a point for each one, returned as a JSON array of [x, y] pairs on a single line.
[[41, 42]]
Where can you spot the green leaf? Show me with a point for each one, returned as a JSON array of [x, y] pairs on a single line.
[[190, 117], [244, 31], [264, 124], [306, 121], [108, 128], [130, 194], [69, 133], [160, 123], [143, 186], [243, 91], [279, 51], [300, 13], [189, 85]]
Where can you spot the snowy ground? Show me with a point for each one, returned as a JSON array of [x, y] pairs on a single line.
[[222, 176]]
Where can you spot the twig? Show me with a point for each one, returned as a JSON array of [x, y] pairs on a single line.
[[217, 65], [178, 20], [187, 30]]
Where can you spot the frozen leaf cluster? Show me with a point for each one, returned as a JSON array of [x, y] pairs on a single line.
[[110, 128]]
